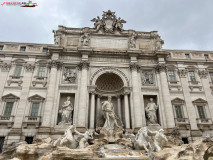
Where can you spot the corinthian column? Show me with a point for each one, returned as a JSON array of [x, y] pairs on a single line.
[[82, 107], [126, 106], [160, 69], [137, 106], [50, 94], [92, 110]]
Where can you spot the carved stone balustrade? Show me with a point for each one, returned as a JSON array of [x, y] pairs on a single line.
[[204, 123], [7, 120], [32, 120], [39, 80], [15, 79], [182, 123]]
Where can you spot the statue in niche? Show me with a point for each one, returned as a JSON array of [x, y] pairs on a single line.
[[57, 38], [66, 111], [132, 40], [147, 78], [151, 112], [111, 120], [85, 39], [69, 75]]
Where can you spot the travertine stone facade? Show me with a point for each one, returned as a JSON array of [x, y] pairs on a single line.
[[89, 64]]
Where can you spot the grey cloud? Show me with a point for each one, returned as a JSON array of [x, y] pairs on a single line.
[[182, 24]]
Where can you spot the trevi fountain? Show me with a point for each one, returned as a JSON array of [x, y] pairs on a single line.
[[112, 142]]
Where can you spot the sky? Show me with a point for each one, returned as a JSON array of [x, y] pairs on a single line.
[[182, 24]]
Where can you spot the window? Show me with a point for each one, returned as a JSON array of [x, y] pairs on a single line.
[[45, 49], [201, 112], [8, 108], [178, 111], [187, 56], [35, 109], [1, 47], [17, 71], [211, 76], [206, 56], [41, 71], [23, 48], [171, 76], [192, 76], [1, 143], [29, 140]]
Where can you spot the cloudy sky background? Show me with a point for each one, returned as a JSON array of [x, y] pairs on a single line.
[[182, 24]]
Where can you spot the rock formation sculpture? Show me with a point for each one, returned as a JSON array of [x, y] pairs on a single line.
[[143, 141]]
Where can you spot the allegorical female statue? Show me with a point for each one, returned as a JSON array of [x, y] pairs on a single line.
[[66, 111], [151, 110], [109, 115]]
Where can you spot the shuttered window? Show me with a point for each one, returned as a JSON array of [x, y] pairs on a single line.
[[192, 76], [171, 76], [17, 71], [41, 71], [35, 109], [178, 111], [8, 108], [201, 112]]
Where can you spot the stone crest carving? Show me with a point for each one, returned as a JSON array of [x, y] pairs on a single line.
[[132, 40], [109, 22], [69, 75], [147, 78], [85, 38]]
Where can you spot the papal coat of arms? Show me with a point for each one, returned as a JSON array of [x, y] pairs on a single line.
[[109, 22]]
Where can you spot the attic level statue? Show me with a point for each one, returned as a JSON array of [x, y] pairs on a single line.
[[109, 22]]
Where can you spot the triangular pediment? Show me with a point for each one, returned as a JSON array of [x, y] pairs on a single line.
[[199, 100], [177, 100], [36, 97], [10, 96]]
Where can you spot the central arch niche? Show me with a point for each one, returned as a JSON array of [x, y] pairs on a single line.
[[109, 82]]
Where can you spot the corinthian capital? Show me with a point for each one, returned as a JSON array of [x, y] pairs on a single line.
[[83, 65], [5, 66], [55, 64], [203, 73], [160, 68], [134, 66], [29, 67]]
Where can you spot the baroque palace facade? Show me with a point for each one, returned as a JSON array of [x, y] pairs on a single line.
[[46, 87]]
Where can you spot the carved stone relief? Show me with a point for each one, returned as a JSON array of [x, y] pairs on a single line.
[[109, 22], [203, 73], [69, 75], [132, 40], [147, 77]]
